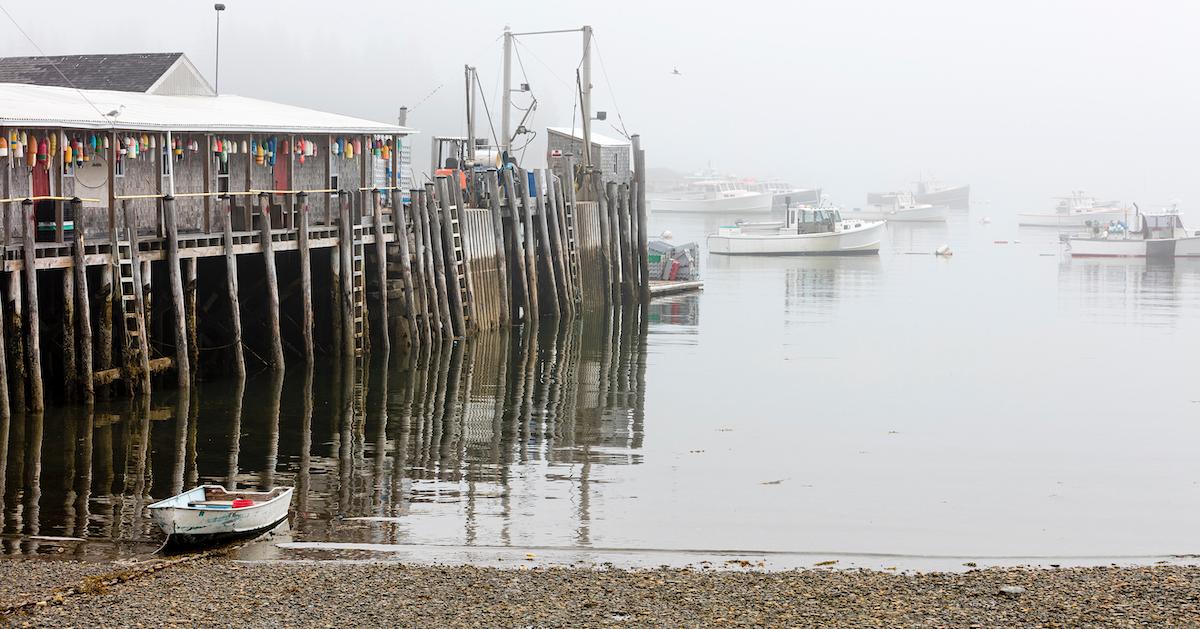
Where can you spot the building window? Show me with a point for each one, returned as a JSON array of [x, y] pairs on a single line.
[[222, 174]]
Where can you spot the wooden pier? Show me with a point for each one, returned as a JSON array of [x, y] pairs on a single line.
[[251, 265]]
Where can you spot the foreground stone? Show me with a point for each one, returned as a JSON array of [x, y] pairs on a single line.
[[216, 592]]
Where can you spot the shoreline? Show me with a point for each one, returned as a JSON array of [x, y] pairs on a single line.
[[209, 590]]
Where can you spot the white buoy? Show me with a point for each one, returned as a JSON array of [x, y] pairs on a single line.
[[666, 235], [944, 251]]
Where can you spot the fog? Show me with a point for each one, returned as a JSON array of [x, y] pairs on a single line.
[[1024, 100]]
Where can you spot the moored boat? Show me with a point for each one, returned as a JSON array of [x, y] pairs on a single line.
[[807, 231], [711, 196], [900, 207], [1076, 210], [785, 195], [1151, 235], [210, 513]]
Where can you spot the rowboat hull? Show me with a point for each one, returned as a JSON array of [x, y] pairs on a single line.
[[862, 240], [186, 524]]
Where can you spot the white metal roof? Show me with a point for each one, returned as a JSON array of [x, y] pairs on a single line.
[[44, 106], [597, 139]]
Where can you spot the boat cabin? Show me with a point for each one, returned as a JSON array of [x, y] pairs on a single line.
[[806, 220]]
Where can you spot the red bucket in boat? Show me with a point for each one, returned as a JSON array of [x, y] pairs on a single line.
[[242, 503]]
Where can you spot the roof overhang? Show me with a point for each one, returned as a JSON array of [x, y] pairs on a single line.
[[43, 106]]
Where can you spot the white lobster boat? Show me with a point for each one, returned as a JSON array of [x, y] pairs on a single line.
[[901, 208], [712, 197], [807, 231], [1075, 211], [210, 513], [1153, 236]]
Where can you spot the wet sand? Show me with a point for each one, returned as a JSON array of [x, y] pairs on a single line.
[[220, 592]]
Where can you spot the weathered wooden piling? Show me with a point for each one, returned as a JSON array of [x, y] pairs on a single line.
[[4, 402], [70, 366], [639, 165], [516, 250], [400, 228], [628, 275], [529, 247], [307, 323], [470, 311], [346, 265], [137, 343], [557, 258], [231, 277], [426, 303], [635, 269], [175, 276], [381, 266], [82, 300], [502, 252], [544, 243], [33, 332], [614, 232], [268, 252], [440, 281], [16, 332], [190, 289], [454, 288], [606, 271]]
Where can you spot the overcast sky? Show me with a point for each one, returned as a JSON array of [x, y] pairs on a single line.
[[1023, 99]]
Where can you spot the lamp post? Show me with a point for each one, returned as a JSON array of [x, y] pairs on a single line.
[[217, 87]]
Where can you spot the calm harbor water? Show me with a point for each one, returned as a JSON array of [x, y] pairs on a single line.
[[1005, 402]]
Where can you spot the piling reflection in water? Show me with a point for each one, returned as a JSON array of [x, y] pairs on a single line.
[[489, 440]]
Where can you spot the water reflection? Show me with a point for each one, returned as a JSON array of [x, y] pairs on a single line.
[[465, 444], [1130, 290]]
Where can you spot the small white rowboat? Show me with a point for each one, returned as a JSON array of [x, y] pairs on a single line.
[[209, 513]]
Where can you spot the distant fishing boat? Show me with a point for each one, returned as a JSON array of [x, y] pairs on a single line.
[[785, 195], [1075, 210], [934, 192], [929, 192], [210, 513], [807, 231], [711, 196], [901, 207], [1151, 235]]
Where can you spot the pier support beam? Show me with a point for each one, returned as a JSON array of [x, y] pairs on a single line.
[[639, 165], [33, 328], [501, 253], [183, 370], [558, 259], [70, 367], [381, 265], [306, 298], [400, 230], [83, 302], [517, 249], [346, 264], [268, 249], [530, 247], [454, 291], [16, 333], [439, 262], [190, 296], [606, 271], [544, 241], [231, 276]]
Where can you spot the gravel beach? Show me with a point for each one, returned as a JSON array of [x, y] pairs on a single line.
[[220, 592]]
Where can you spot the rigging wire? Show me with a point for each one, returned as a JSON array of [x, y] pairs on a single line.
[[611, 93], [54, 65], [491, 125]]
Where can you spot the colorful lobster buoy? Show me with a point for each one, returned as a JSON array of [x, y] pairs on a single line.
[[3, 147]]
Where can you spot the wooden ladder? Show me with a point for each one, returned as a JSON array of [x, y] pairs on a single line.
[[460, 272], [134, 324], [358, 283], [573, 251]]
